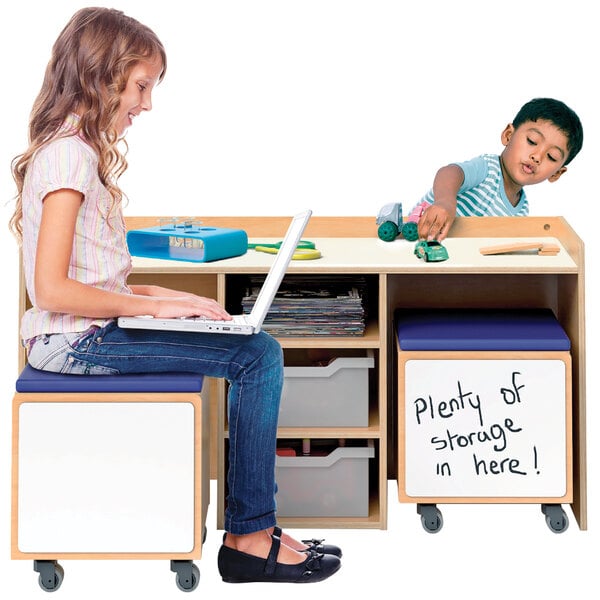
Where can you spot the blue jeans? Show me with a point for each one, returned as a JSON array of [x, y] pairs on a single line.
[[253, 365]]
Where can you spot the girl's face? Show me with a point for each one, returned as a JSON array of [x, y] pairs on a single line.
[[137, 95]]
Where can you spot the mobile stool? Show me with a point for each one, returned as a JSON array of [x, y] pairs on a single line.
[[109, 467], [484, 410]]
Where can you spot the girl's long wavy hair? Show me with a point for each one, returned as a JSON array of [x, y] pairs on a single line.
[[87, 72]]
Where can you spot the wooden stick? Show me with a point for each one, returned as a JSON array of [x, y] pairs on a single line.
[[542, 249]]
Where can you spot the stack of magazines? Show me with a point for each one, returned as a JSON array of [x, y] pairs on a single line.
[[314, 305]]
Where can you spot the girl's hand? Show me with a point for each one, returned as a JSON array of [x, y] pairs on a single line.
[[189, 305], [175, 303]]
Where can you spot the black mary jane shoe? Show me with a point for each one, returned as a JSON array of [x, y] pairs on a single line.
[[315, 545], [239, 567]]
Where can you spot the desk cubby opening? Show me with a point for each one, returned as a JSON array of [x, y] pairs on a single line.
[[311, 306], [330, 391], [482, 290]]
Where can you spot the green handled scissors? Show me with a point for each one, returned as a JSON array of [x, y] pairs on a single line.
[[305, 250]]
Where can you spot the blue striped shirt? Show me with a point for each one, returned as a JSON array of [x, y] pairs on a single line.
[[482, 192]]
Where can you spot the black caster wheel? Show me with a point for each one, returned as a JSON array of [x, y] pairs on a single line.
[[556, 518], [387, 231], [410, 231], [431, 517], [51, 574], [187, 575]]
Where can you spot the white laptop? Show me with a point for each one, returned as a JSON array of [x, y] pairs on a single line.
[[240, 324]]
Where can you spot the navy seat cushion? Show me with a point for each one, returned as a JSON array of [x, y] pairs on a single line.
[[34, 380], [480, 329]]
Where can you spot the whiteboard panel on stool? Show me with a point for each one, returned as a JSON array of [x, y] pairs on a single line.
[[492, 429], [106, 477]]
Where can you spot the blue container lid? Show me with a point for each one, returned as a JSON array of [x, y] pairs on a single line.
[[480, 329], [33, 380]]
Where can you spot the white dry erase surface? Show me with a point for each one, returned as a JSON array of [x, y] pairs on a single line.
[[106, 477], [485, 428]]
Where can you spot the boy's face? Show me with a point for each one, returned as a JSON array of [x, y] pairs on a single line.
[[535, 151]]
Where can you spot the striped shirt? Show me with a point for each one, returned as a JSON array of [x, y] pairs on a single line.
[[99, 256], [482, 192]]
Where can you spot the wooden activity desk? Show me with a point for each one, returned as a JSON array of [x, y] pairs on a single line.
[[396, 279]]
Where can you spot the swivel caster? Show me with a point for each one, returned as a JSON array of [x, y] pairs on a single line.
[[431, 517], [187, 575], [51, 574], [556, 517]]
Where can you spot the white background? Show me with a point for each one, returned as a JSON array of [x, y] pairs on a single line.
[[341, 106]]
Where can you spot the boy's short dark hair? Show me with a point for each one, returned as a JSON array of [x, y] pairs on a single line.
[[557, 112]]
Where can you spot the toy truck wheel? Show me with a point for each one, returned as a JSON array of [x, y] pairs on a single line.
[[387, 231], [410, 231]]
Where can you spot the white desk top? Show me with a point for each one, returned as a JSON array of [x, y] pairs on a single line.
[[372, 255]]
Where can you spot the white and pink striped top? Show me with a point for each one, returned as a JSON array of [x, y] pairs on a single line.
[[99, 257]]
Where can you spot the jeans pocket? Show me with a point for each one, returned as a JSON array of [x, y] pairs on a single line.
[[76, 366]]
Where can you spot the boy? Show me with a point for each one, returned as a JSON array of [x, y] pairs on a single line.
[[543, 138]]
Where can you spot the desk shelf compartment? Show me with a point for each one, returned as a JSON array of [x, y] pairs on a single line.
[[332, 391], [332, 481], [314, 306]]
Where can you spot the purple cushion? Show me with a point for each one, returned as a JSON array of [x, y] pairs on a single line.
[[480, 329], [34, 380]]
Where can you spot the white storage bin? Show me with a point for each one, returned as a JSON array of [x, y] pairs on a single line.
[[336, 485], [334, 395]]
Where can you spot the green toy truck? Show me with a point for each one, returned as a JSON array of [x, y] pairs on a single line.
[[391, 225]]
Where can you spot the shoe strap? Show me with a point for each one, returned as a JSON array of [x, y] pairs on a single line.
[[271, 563]]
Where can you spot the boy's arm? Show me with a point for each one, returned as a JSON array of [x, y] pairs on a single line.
[[436, 221]]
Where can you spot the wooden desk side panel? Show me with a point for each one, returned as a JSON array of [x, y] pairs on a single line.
[[571, 313], [383, 400]]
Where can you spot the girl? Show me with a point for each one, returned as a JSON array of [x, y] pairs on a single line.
[[68, 218]]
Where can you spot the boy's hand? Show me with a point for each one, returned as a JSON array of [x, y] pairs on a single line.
[[435, 223]]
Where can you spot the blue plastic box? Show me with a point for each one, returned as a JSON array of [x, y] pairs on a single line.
[[189, 243]]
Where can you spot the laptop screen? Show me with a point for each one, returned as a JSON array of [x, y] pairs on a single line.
[[279, 267]]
